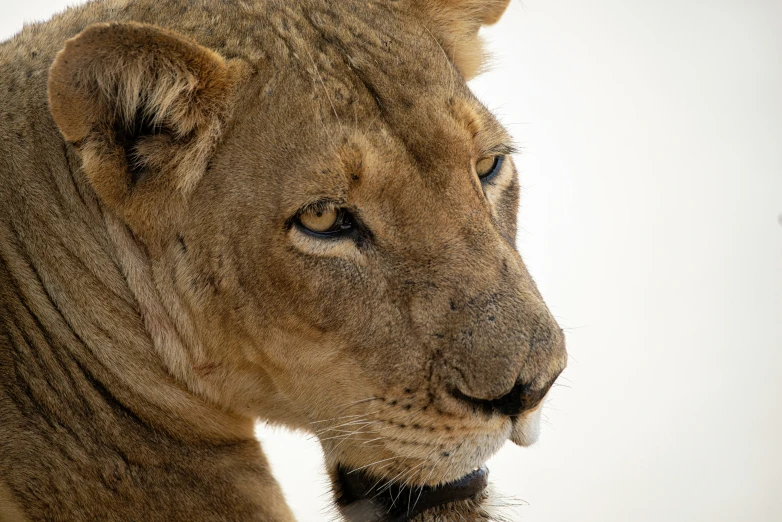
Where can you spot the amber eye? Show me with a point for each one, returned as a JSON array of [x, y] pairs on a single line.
[[488, 167], [326, 222], [319, 220]]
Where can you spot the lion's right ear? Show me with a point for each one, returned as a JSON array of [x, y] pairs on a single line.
[[144, 107]]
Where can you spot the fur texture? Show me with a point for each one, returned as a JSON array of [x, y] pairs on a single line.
[[157, 294]]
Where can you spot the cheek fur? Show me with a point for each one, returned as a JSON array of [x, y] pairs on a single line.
[[505, 208]]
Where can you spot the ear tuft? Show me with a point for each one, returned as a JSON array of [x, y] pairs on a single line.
[[456, 24]]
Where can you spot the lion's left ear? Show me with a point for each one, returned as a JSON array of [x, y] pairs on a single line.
[[144, 107], [455, 23]]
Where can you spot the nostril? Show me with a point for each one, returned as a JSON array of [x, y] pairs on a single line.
[[520, 398]]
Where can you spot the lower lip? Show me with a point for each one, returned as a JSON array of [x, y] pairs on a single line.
[[355, 488]]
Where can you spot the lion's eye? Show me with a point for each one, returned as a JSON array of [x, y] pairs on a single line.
[[319, 220], [326, 222], [488, 167]]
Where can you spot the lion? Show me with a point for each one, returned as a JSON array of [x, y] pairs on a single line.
[[217, 212]]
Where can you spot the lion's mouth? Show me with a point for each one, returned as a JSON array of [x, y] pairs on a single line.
[[366, 498]]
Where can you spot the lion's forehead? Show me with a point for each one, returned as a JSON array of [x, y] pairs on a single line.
[[358, 62], [334, 71], [371, 46]]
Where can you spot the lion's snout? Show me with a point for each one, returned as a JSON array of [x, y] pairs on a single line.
[[504, 349]]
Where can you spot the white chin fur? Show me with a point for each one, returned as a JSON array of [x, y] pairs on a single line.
[[526, 430]]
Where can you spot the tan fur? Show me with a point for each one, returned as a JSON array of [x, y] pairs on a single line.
[[9, 510], [156, 296]]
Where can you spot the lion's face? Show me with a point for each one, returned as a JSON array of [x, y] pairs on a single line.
[[346, 259]]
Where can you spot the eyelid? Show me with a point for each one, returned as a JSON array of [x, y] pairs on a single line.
[[502, 149], [321, 205]]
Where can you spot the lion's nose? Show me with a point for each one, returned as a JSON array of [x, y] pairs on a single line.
[[522, 397]]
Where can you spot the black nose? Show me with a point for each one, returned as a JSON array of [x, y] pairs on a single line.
[[521, 398]]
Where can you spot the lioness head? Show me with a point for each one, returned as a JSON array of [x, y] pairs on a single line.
[[328, 216]]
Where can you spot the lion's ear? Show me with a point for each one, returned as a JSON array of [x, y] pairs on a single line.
[[456, 23], [144, 107]]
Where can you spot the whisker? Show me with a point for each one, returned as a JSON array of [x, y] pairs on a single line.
[[372, 464], [360, 401], [344, 438], [407, 476], [353, 423], [423, 485], [338, 418], [389, 483], [350, 433]]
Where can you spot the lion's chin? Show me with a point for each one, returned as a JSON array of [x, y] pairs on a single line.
[[363, 498]]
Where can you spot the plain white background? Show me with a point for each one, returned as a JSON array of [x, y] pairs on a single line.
[[651, 165]]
